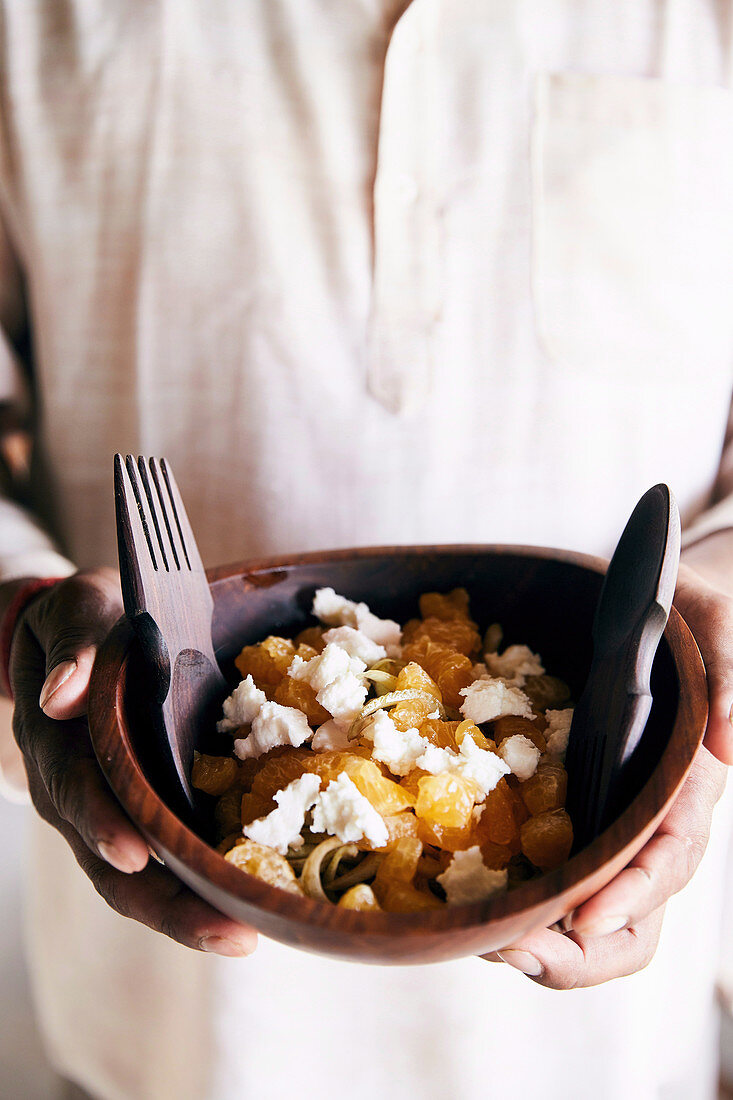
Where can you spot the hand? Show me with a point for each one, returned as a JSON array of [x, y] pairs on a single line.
[[616, 932], [54, 646]]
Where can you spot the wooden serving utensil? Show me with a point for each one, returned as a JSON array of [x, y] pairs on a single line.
[[168, 601], [630, 618]]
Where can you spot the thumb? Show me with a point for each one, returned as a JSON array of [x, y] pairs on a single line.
[[70, 623]]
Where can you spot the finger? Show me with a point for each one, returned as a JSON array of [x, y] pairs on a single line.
[[666, 863], [156, 898], [709, 614], [573, 962], [75, 788], [70, 622], [59, 758]]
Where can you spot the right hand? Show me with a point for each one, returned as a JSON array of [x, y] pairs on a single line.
[[54, 645]]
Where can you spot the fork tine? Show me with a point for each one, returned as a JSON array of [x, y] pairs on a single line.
[[188, 539], [129, 504], [147, 493], [168, 526]]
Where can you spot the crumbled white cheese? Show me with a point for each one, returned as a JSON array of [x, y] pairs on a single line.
[[481, 766], [335, 610], [467, 878], [273, 725], [281, 828], [557, 733], [242, 706], [480, 672], [341, 810], [404, 750], [521, 754], [325, 667], [344, 698], [515, 664], [330, 736], [337, 680], [398, 749], [489, 699], [356, 643]]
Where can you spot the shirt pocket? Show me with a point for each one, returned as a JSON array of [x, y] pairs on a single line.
[[632, 249]]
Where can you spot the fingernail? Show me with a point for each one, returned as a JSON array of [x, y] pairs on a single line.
[[606, 926], [111, 854], [56, 677], [522, 960], [220, 946]]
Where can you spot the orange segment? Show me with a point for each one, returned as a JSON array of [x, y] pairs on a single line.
[[547, 839], [445, 800]]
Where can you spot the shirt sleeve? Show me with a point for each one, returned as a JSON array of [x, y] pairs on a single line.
[[26, 547], [718, 516]]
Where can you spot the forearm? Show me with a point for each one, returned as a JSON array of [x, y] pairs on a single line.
[[712, 559]]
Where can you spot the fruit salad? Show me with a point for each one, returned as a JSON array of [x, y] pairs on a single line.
[[402, 769]]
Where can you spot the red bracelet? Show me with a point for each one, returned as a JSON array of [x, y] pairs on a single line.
[[17, 605]]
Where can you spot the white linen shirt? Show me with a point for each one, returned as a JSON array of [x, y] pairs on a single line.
[[365, 272]]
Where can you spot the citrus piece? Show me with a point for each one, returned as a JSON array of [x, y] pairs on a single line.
[[547, 839], [546, 789], [267, 663], [279, 767], [446, 606], [509, 725], [213, 774], [299, 694], [445, 800], [360, 897], [399, 825], [546, 692], [264, 864]]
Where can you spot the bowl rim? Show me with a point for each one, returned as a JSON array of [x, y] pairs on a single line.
[[160, 824]]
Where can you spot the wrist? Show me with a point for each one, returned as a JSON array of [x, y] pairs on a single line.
[[14, 598]]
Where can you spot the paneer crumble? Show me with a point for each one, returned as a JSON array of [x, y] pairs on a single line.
[[388, 768]]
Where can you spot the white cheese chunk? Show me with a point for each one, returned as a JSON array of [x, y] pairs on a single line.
[[489, 699], [326, 667], [356, 643], [274, 725], [335, 610], [515, 664], [557, 733], [482, 767], [330, 736], [343, 698], [337, 678], [341, 810], [467, 878], [281, 828], [242, 706], [521, 754], [398, 749]]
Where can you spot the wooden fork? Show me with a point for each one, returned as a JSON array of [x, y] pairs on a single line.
[[168, 601]]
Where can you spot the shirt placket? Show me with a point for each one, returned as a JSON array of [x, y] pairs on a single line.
[[405, 296]]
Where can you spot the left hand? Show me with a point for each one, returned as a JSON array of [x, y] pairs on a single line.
[[616, 932]]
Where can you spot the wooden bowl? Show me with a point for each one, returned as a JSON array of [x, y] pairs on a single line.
[[544, 598]]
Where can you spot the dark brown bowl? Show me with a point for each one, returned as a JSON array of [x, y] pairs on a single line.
[[544, 598]]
